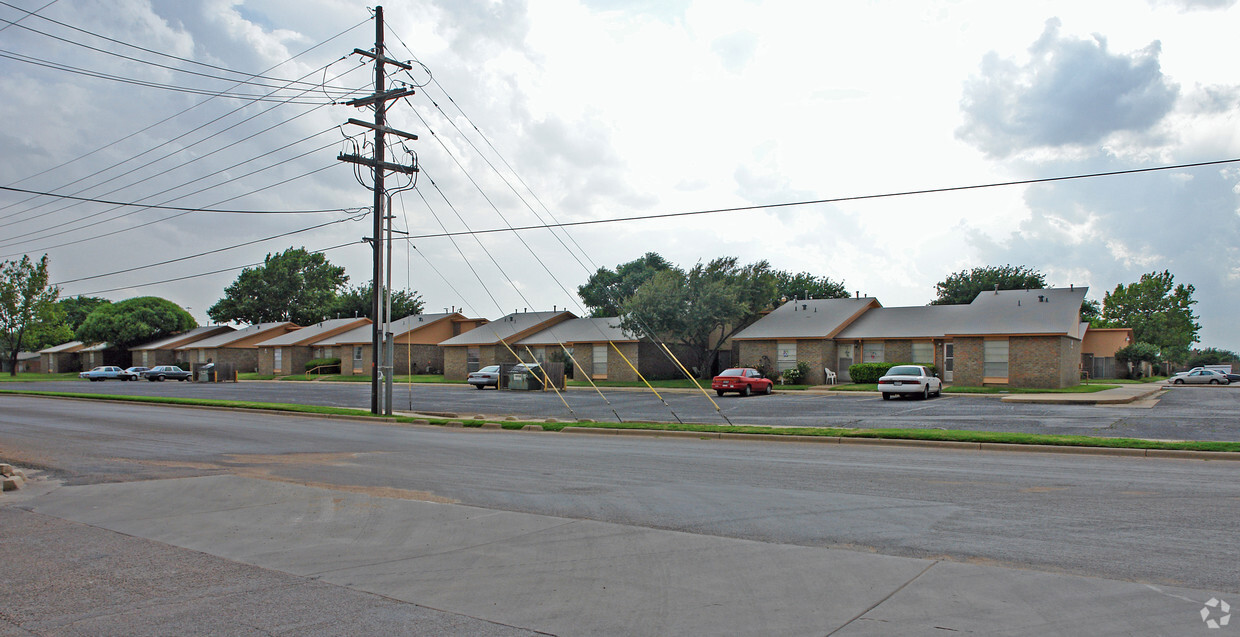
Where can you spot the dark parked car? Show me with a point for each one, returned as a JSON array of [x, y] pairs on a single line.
[[742, 380], [164, 372]]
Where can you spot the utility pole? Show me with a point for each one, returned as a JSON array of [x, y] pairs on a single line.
[[379, 99]]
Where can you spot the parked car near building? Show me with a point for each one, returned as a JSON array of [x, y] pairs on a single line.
[[161, 373], [486, 377], [1199, 377], [742, 380], [104, 372], [909, 380], [135, 372]]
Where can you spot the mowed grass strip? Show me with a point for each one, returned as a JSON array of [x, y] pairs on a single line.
[[837, 432]]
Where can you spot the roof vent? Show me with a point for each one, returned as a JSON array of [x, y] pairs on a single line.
[[996, 288], [804, 306], [1041, 299]]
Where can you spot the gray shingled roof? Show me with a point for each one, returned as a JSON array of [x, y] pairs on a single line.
[[1005, 312], [811, 318], [580, 330], [184, 338], [224, 340], [364, 334], [311, 333], [504, 328], [71, 346]]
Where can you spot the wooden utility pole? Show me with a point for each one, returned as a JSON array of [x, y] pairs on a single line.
[[379, 99]]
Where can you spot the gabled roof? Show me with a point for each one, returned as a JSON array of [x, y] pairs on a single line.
[[921, 321], [97, 347], [71, 346], [811, 318], [228, 338], [363, 334], [580, 330], [510, 329], [183, 338], [316, 332], [1046, 311]]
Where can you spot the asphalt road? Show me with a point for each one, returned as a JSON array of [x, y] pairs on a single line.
[[1181, 413], [1139, 519]]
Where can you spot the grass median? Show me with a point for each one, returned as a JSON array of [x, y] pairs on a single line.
[[830, 432]]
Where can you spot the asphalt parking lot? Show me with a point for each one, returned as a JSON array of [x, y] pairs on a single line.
[[1179, 413]]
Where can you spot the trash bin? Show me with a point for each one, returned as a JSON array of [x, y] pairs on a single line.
[[204, 375], [519, 381]]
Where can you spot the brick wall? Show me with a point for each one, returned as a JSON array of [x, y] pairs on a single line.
[[898, 351], [1043, 361], [454, 363], [969, 362], [750, 353]]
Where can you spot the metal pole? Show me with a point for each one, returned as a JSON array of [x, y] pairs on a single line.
[[389, 351]]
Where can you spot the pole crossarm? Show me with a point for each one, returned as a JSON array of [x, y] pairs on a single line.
[[386, 129], [385, 60], [386, 96], [386, 165]]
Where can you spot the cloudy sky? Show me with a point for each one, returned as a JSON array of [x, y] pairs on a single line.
[[607, 109]]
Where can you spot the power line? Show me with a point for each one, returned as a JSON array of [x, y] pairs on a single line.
[[789, 204], [202, 274], [176, 208]]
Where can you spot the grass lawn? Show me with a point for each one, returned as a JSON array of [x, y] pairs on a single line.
[[959, 389], [32, 376], [903, 434]]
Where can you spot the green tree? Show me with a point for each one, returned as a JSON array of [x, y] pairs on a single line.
[[77, 308], [701, 308], [1158, 311], [962, 287], [28, 312], [606, 290], [1211, 356], [359, 301], [1137, 353], [807, 286], [295, 285], [135, 321], [1091, 312]]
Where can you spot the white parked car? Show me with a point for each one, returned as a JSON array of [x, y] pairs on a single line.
[[909, 380], [1199, 377], [486, 377]]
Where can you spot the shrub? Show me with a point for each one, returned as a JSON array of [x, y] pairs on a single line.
[[765, 368], [326, 365], [867, 373], [797, 374]]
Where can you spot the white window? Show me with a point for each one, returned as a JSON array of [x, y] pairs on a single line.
[[923, 352], [279, 364], [785, 356], [357, 353], [472, 355], [145, 356], [872, 352], [995, 357], [600, 361], [202, 356]]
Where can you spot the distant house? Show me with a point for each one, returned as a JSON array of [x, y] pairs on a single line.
[[493, 343], [1098, 350], [416, 341], [103, 354], [164, 351], [602, 350], [1019, 338], [238, 348], [61, 359], [27, 363], [288, 353]]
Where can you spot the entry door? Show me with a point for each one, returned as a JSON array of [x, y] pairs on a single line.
[[846, 361], [948, 360]]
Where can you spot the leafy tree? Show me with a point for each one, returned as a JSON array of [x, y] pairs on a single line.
[[807, 286], [359, 301], [964, 286], [1137, 352], [701, 308], [135, 321], [77, 308], [1158, 311], [606, 290], [1211, 356], [295, 285], [28, 316], [1091, 312]]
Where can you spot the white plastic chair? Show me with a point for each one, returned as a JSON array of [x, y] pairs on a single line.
[[830, 375]]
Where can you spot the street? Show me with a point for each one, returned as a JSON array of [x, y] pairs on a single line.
[[1166, 524]]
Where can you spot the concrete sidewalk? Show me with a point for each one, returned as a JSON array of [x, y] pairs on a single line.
[[1121, 395], [459, 568]]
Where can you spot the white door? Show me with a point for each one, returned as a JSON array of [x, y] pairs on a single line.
[[846, 360], [948, 359]]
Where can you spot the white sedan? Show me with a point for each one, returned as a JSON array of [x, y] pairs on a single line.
[[912, 380], [1200, 377]]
